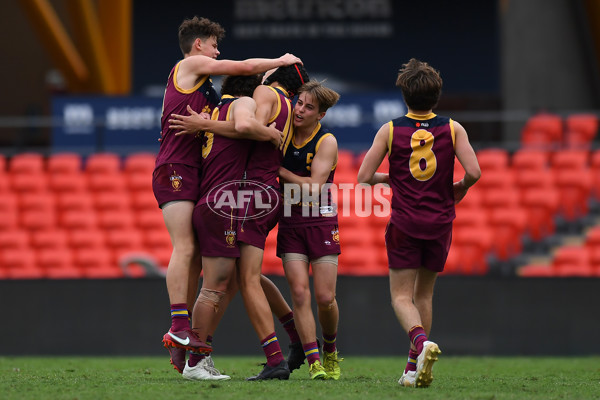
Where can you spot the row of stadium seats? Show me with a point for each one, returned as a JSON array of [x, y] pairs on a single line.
[[551, 131], [570, 260], [520, 195]]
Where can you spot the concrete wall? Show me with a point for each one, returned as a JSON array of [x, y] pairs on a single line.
[[547, 61], [471, 316]]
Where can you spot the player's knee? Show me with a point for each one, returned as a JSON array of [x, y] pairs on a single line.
[[325, 300], [187, 250], [211, 297], [300, 294]]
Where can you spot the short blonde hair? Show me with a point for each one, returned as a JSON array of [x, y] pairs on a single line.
[[326, 97]]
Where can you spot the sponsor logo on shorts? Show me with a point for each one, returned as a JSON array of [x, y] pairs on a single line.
[[176, 181], [243, 199]]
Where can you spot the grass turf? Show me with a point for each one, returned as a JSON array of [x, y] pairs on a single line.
[[363, 378]]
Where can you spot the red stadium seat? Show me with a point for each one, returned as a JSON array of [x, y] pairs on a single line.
[[68, 201], [97, 264], [107, 182], [44, 201], [473, 199], [140, 163], [34, 220], [570, 159], [493, 159], [73, 182], [501, 198], [574, 189], [110, 220], [507, 226], [139, 181], [536, 271], [526, 159], [534, 179], [78, 219], [14, 239], [452, 266], [572, 261], [496, 179], [26, 163], [541, 206], [9, 219], [64, 163], [543, 130], [473, 245], [150, 219], [20, 264], [103, 163], [85, 238], [143, 201], [471, 218], [49, 239], [108, 201], [580, 130], [28, 182], [57, 263]]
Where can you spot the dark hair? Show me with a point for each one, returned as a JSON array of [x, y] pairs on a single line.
[[240, 85], [421, 85], [290, 77], [198, 28]]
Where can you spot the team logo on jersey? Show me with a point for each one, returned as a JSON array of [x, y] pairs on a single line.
[[335, 235], [230, 238], [176, 181]]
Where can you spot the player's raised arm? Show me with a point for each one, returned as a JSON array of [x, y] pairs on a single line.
[[368, 170], [199, 65]]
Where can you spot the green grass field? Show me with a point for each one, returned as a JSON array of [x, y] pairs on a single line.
[[152, 378]]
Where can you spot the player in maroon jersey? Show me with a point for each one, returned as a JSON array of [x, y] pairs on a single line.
[[273, 107], [176, 176], [224, 164], [273, 101], [421, 147], [308, 231]]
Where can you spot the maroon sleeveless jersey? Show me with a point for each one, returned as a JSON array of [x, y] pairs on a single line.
[[223, 159], [183, 149], [298, 159], [265, 158], [421, 156]]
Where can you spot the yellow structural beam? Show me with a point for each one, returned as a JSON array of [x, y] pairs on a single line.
[[54, 37], [115, 24], [86, 28]]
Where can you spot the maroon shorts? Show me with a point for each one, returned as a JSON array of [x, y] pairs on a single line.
[[405, 251], [171, 182], [313, 241], [217, 235], [254, 230]]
